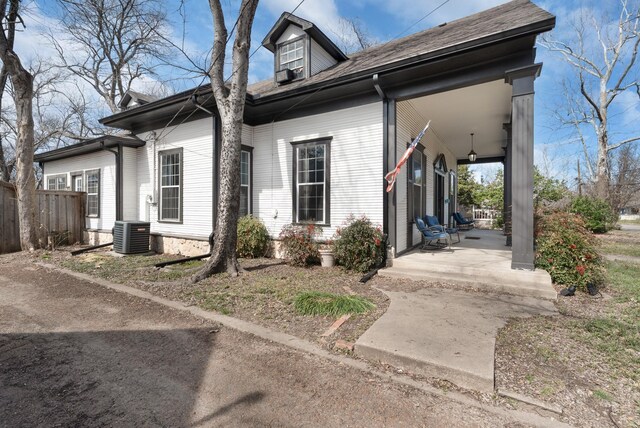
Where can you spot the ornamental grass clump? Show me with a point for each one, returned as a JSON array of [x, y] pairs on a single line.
[[299, 245], [329, 304], [253, 237], [359, 245], [567, 250]]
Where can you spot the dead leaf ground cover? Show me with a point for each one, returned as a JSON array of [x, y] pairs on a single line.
[[588, 358], [264, 293]]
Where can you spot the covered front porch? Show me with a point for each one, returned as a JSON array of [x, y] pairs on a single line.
[[480, 260]]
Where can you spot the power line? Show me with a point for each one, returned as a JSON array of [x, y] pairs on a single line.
[[422, 19], [204, 77], [226, 80]]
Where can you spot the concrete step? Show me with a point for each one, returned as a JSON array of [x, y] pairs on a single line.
[[516, 282]]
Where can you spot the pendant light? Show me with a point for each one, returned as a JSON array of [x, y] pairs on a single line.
[[472, 155]]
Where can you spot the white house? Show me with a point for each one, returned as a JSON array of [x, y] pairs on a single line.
[[319, 137]]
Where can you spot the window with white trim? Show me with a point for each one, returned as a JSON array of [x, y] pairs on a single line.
[[245, 183], [170, 208], [416, 182], [311, 182], [292, 57], [76, 182], [93, 193], [57, 182]]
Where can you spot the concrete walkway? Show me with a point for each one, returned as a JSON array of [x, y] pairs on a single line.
[[447, 334]]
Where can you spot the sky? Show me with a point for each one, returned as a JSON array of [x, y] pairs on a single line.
[[555, 149]]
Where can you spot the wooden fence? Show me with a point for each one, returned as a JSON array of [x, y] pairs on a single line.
[[59, 217]]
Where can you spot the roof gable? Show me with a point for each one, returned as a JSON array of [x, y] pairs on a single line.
[[511, 19], [287, 19], [134, 99]]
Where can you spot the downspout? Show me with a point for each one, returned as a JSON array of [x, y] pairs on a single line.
[[387, 199], [118, 155]]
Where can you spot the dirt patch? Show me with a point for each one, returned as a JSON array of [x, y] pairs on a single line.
[[85, 355]]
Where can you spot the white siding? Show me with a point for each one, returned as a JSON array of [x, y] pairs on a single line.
[[356, 165], [104, 161], [196, 140], [130, 184], [247, 135], [409, 123], [320, 59], [292, 32]]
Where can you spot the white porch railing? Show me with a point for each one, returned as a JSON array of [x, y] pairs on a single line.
[[485, 213]]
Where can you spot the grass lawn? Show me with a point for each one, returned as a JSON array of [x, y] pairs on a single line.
[[588, 358], [629, 221], [619, 248], [266, 293]]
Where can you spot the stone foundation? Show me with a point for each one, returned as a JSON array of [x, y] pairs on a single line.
[[188, 247], [184, 246], [97, 237]]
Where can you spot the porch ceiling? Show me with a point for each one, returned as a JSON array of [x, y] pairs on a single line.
[[481, 109]]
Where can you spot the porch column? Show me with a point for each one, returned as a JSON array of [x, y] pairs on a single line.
[[390, 222], [507, 184], [521, 80]]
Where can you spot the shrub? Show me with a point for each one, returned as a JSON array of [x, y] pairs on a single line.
[[566, 249], [320, 303], [299, 245], [598, 215], [358, 246], [253, 237]]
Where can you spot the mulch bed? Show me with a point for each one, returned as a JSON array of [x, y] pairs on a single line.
[[263, 293]]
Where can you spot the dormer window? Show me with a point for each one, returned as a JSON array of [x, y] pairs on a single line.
[[292, 57], [300, 50]]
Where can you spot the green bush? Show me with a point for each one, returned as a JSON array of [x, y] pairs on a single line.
[[567, 250], [253, 237], [299, 245], [597, 214], [358, 246]]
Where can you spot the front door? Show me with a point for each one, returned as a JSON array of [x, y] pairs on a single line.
[[439, 197]]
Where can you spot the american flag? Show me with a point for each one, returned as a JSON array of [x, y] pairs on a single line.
[[391, 176]]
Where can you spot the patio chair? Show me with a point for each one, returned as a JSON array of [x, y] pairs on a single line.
[[463, 223], [432, 235], [434, 224]]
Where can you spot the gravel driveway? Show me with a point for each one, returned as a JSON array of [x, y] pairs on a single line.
[[73, 353]]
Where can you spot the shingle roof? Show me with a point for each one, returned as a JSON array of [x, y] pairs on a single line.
[[500, 20]]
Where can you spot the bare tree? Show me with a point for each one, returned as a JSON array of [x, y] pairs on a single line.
[[22, 82], [625, 177], [352, 35], [114, 43], [230, 102], [60, 116], [603, 56]]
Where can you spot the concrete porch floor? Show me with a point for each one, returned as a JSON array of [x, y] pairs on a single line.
[[481, 259]]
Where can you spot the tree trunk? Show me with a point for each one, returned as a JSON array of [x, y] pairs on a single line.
[[230, 101], [23, 98], [602, 166], [25, 179], [223, 255]]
